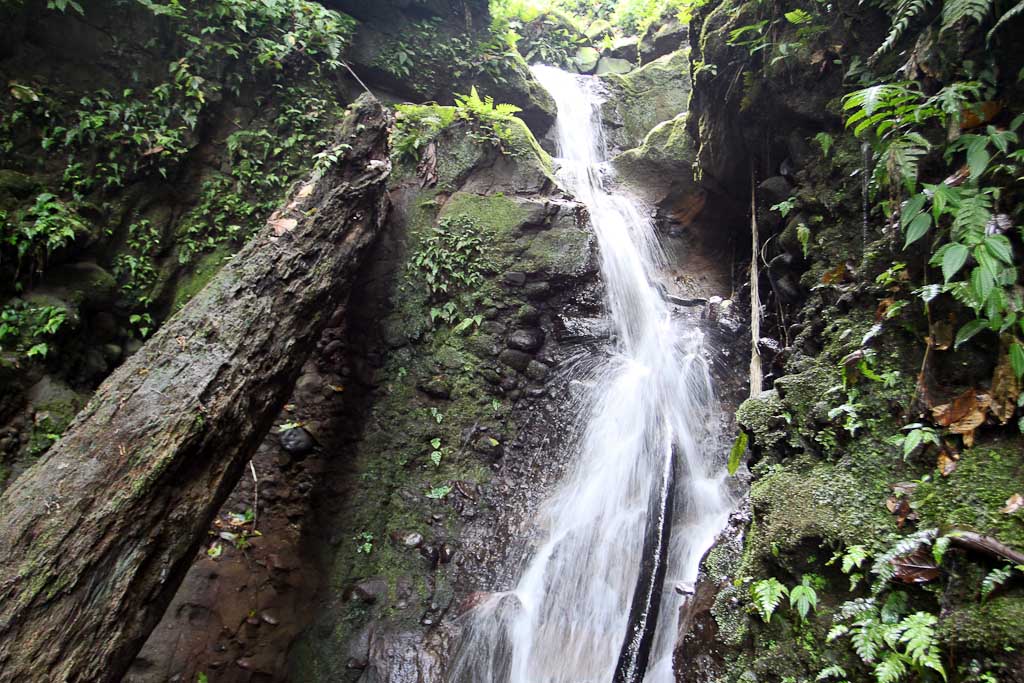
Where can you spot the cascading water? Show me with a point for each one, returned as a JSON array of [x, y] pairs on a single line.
[[624, 533]]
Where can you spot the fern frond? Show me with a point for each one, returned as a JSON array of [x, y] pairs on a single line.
[[890, 669], [919, 637], [867, 638], [834, 671], [954, 11], [1011, 13], [767, 595], [994, 579], [906, 11]]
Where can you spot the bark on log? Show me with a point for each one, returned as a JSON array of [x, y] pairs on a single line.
[[96, 537]]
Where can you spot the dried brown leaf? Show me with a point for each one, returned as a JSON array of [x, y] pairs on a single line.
[[1013, 504], [1005, 385], [947, 463], [835, 276], [964, 414], [917, 567], [942, 335]]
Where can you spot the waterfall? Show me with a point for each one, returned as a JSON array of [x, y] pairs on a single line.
[[623, 534]]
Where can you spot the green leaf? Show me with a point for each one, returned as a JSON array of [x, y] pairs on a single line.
[[969, 330], [917, 228], [1000, 248], [1017, 359], [977, 157], [803, 598], [913, 206], [739, 447], [953, 260], [798, 16], [767, 594]]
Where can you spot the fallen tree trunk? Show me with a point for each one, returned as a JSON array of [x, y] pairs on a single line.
[[96, 537]]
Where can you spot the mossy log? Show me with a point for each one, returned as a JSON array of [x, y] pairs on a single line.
[[96, 536]]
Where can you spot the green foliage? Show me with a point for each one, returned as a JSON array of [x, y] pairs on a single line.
[[416, 126], [439, 492], [739, 447], [364, 542], [969, 245], [803, 597], [489, 123], [996, 578], [767, 594], [28, 328], [953, 13], [785, 207], [449, 260], [38, 230]]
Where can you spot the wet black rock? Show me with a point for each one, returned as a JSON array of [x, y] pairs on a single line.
[[297, 441], [517, 360], [528, 339], [369, 590], [435, 387], [536, 371], [775, 189], [515, 279]]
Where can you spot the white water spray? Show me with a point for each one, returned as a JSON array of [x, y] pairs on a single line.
[[651, 408]]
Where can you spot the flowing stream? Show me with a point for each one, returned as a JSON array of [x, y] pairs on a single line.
[[621, 538]]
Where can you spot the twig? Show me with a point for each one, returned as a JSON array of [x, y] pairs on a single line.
[[986, 545], [358, 80], [755, 296], [255, 496]]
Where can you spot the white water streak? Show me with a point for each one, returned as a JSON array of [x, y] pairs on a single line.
[[566, 620]]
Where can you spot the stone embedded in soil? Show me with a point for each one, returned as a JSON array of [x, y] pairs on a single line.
[[529, 339], [297, 441], [435, 387], [370, 590], [518, 360], [410, 539], [515, 279]]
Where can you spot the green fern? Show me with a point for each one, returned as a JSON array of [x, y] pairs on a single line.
[[890, 669], [834, 671], [1015, 11], [955, 11], [994, 579], [921, 642], [767, 594], [906, 11]]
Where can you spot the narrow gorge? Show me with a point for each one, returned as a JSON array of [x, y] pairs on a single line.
[[511, 341]]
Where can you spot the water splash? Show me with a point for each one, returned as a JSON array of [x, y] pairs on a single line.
[[646, 475]]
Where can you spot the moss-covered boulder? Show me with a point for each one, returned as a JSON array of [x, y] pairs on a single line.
[[662, 165], [641, 99]]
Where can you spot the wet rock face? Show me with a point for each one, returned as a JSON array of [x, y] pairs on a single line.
[[455, 426], [641, 99]]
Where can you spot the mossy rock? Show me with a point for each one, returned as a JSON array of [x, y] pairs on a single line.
[[994, 625], [75, 287], [764, 417], [645, 97], [17, 185], [663, 164], [613, 65], [586, 59], [805, 504], [190, 281], [972, 496]]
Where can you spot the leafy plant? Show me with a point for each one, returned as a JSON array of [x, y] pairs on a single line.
[[803, 597], [489, 123], [439, 492], [767, 595], [364, 542]]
